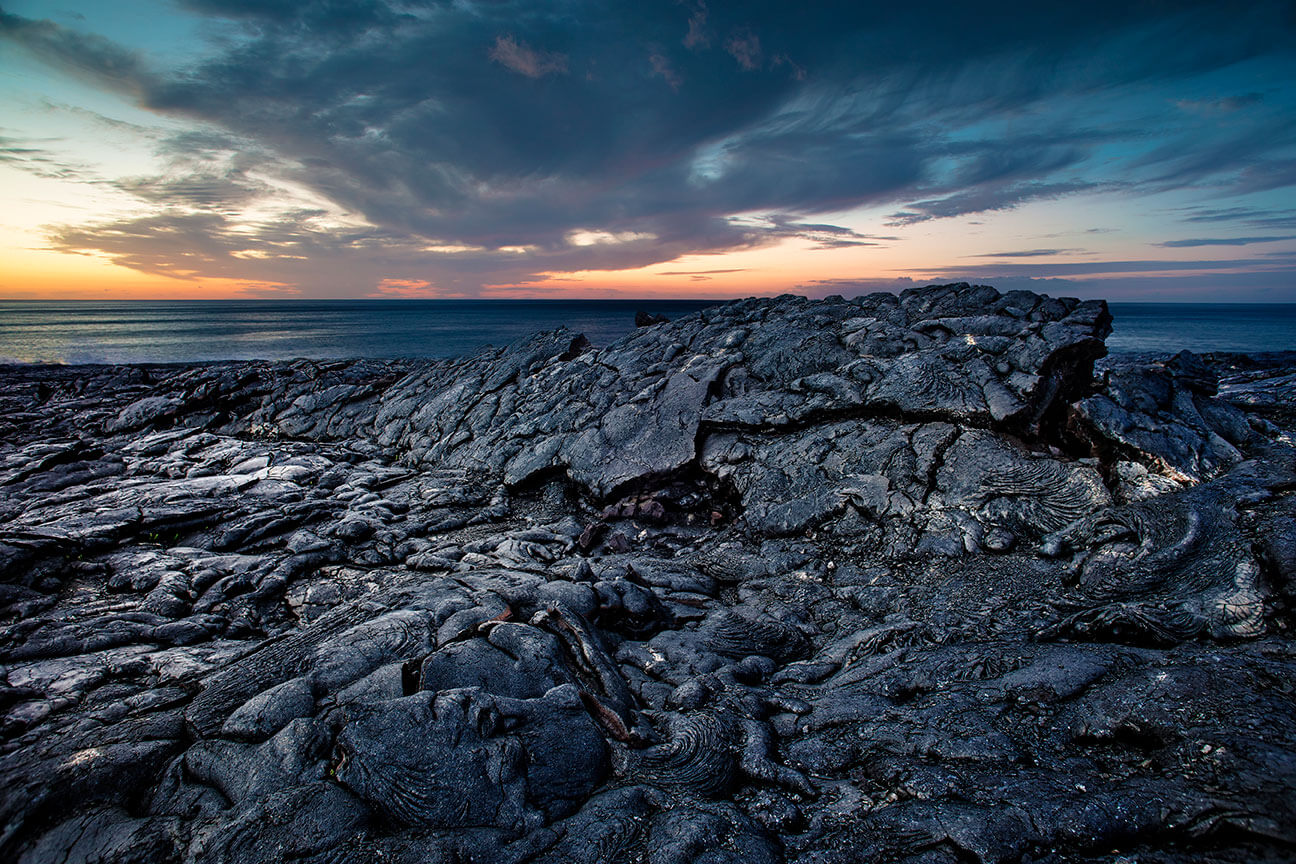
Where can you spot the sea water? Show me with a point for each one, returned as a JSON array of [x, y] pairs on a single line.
[[1201, 327], [198, 330], [126, 331]]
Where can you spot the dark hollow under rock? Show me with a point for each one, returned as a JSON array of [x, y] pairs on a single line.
[[898, 578]]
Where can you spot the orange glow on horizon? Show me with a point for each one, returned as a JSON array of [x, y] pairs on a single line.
[[29, 274], [404, 288], [789, 266], [930, 252]]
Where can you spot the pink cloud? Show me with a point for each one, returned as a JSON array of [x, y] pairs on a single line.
[[662, 69], [746, 49], [697, 36], [520, 57], [404, 288]]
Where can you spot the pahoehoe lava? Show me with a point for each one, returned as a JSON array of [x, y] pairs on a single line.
[[919, 578]]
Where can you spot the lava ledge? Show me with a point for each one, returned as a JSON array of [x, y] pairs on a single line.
[[900, 578]]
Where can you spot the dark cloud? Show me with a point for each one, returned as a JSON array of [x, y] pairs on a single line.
[[1026, 253], [42, 159], [1224, 214], [85, 54], [20, 150], [326, 15], [823, 236], [187, 244], [101, 120], [702, 272], [288, 249], [1268, 285], [1267, 174], [1249, 217], [217, 191], [1253, 157], [501, 125], [995, 273], [989, 198], [1222, 241]]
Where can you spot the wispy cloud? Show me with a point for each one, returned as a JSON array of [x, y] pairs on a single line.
[[1249, 217], [745, 47], [988, 198], [703, 272], [821, 235], [43, 158], [1026, 253], [663, 69], [85, 54], [518, 56], [1222, 241], [697, 35], [1043, 270], [1224, 105]]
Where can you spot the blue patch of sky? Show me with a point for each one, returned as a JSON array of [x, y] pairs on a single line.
[[160, 30]]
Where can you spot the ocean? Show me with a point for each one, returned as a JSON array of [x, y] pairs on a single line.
[[195, 331]]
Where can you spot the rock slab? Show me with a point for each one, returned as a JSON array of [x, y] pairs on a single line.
[[900, 578]]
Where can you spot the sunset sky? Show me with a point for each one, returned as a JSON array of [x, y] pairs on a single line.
[[375, 148]]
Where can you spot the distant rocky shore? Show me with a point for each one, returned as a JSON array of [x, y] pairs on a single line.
[[898, 578]]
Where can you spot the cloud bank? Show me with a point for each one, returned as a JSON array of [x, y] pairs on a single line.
[[468, 144]]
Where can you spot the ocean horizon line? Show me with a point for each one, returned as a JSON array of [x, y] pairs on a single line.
[[647, 299], [216, 330]]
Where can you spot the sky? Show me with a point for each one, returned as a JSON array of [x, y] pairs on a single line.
[[1133, 150]]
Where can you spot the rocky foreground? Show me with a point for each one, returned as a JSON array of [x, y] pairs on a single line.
[[895, 578]]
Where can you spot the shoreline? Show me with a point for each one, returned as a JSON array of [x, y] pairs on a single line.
[[166, 332], [796, 579]]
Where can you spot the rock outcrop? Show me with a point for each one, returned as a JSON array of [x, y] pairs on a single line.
[[892, 578]]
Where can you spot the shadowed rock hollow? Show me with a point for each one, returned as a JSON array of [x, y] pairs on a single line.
[[887, 579]]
